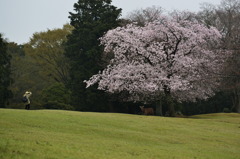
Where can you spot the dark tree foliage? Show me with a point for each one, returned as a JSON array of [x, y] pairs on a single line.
[[216, 104], [5, 94], [92, 18], [56, 96]]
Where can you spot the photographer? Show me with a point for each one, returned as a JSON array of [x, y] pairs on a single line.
[[26, 99]]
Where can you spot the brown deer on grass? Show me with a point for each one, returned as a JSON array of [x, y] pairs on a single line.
[[147, 111]]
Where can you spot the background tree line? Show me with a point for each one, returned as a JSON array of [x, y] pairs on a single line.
[[54, 63]]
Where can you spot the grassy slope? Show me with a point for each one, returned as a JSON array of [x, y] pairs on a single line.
[[77, 135]]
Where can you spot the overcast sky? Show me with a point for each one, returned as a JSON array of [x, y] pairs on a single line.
[[19, 19]]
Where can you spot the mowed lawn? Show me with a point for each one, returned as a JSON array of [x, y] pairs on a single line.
[[54, 134]]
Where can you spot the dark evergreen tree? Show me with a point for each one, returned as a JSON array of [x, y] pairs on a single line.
[[4, 73], [92, 18]]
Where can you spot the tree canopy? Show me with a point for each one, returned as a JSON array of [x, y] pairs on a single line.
[[151, 59], [92, 18], [47, 50], [226, 17], [38, 64], [173, 57], [5, 71]]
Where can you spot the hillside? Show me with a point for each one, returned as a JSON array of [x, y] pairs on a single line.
[[79, 135]]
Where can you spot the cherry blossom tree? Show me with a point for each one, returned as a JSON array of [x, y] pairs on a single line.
[[174, 58]]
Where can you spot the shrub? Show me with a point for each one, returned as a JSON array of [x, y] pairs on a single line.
[[57, 105], [56, 96], [226, 110]]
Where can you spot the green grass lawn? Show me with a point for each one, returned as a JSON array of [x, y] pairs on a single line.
[[53, 134]]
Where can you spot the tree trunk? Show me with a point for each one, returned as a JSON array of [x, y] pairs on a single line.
[[159, 108], [170, 104], [236, 101], [111, 107], [237, 108], [171, 109]]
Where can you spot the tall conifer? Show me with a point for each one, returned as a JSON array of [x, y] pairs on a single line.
[[92, 18], [4, 73]]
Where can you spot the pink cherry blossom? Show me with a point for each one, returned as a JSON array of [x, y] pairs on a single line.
[[179, 55]]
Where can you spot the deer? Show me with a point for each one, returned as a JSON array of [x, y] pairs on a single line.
[[147, 111]]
